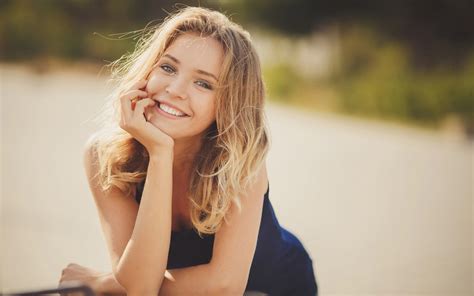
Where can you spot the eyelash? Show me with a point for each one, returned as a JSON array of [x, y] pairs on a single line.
[[169, 69], [166, 66]]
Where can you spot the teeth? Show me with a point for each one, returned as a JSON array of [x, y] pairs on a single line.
[[170, 110]]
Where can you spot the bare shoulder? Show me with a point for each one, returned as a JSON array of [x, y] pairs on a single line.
[[92, 167], [260, 185], [89, 156]]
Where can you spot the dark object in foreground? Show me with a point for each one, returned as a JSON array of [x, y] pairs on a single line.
[[61, 290]]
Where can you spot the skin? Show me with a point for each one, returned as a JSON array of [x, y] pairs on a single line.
[[176, 78], [138, 258]]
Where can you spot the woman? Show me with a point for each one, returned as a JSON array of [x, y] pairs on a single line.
[[181, 184]]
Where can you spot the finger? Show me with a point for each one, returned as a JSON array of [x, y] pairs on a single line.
[[139, 84], [126, 101], [131, 94], [141, 105]]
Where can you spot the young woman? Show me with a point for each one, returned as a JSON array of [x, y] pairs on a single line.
[[178, 171]]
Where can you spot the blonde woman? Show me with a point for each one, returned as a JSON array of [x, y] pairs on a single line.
[[178, 170]]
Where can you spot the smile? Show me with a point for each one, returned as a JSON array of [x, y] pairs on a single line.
[[169, 112]]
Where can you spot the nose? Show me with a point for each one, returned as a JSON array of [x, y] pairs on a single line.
[[177, 88]]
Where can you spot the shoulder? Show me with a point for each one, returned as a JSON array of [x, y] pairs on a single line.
[[262, 177], [260, 182], [90, 157], [88, 151], [90, 144]]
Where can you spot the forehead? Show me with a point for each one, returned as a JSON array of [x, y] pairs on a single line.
[[197, 52]]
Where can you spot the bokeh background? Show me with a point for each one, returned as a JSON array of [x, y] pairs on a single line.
[[371, 113]]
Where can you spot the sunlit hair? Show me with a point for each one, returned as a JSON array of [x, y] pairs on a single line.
[[234, 146]]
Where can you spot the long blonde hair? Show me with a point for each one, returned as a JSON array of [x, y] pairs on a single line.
[[235, 145]]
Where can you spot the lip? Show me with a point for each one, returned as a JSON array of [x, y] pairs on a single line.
[[157, 106], [171, 105]]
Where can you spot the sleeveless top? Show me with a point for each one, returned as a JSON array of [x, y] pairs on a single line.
[[281, 265]]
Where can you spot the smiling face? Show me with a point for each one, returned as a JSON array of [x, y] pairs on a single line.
[[184, 79]]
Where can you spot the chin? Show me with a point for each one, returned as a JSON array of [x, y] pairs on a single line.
[[174, 129], [170, 131], [161, 127]]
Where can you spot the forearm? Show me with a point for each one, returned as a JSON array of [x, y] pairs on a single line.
[[193, 280], [108, 285], [143, 263]]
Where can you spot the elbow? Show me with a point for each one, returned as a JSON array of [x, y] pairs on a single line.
[[134, 287]]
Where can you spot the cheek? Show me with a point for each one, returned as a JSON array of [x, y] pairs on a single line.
[[155, 82], [210, 113], [206, 106]]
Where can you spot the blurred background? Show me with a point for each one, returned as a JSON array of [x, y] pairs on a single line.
[[371, 113]]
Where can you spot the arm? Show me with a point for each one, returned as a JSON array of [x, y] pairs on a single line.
[[138, 259], [196, 276], [142, 265], [201, 279], [233, 251], [227, 273], [234, 244], [193, 280]]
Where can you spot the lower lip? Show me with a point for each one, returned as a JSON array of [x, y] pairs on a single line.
[[166, 114]]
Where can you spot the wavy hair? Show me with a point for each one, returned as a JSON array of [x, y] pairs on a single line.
[[234, 146]]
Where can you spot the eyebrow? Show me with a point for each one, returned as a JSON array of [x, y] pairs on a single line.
[[198, 70]]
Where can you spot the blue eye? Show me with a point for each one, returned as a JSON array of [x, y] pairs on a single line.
[[167, 68], [204, 84]]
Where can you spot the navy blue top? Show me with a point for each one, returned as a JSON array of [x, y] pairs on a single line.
[[281, 265]]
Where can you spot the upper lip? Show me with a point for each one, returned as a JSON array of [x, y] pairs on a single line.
[[171, 105]]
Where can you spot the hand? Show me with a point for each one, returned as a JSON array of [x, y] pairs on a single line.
[[77, 273], [134, 122]]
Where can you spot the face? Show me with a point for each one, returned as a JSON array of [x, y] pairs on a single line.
[[184, 79]]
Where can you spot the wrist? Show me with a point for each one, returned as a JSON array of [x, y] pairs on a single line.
[[159, 148], [161, 153]]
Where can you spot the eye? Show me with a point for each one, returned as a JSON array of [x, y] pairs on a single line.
[[167, 68], [204, 84]]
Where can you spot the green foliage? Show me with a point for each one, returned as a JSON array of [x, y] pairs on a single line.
[[282, 82], [378, 75], [376, 78], [75, 29]]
